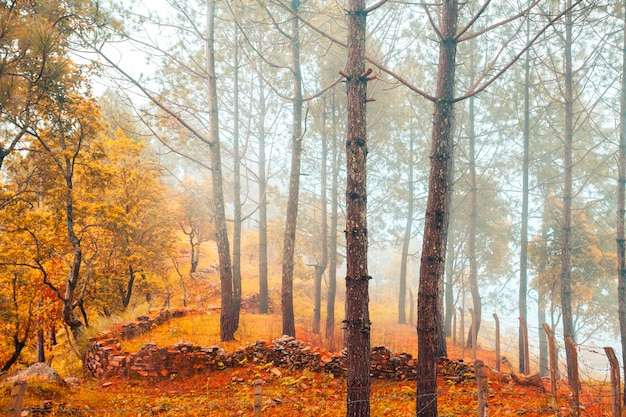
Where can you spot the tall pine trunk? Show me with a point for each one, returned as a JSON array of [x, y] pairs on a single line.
[[621, 212], [263, 279], [407, 238], [357, 323], [289, 241], [437, 215], [227, 319], [473, 217], [320, 266], [523, 262], [449, 268], [566, 221], [332, 243], [236, 186]]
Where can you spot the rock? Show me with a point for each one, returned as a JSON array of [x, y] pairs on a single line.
[[73, 381], [533, 380], [39, 372]]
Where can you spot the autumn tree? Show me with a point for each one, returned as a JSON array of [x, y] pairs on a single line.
[[195, 220], [34, 38], [73, 123], [136, 227]]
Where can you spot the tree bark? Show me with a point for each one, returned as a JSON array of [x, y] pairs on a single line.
[[263, 280], [332, 244], [407, 238], [69, 303], [289, 241], [18, 346], [523, 271], [566, 221], [357, 277], [621, 212], [473, 217], [227, 319], [320, 266], [449, 268], [236, 187], [437, 216], [129, 287]]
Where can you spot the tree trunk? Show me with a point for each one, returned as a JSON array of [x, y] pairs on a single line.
[[332, 244], [449, 268], [566, 222], [41, 352], [263, 282], [621, 212], [320, 267], [18, 346], [69, 304], [289, 241], [357, 321], [523, 270], [227, 319], [52, 335], [195, 255], [129, 287], [437, 215], [236, 187], [473, 197], [407, 239], [543, 338]]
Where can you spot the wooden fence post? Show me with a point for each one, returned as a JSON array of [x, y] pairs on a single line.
[[17, 399], [454, 326], [474, 333], [615, 382], [257, 398], [483, 388], [495, 317], [571, 347], [553, 362], [524, 327]]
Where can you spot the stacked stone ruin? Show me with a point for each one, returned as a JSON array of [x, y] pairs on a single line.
[[105, 357]]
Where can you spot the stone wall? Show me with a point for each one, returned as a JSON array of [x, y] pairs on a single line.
[[106, 359]]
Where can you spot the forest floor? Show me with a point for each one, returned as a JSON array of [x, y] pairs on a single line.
[[230, 392]]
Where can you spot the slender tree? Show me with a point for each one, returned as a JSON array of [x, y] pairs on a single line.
[[357, 322], [332, 244], [407, 237], [566, 221], [297, 135], [236, 184], [473, 215], [263, 280], [227, 320], [320, 265], [621, 211], [523, 268], [437, 212]]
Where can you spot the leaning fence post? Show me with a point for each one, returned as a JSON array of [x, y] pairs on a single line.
[[571, 347], [483, 388], [552, 353], [524, 342], [615, 382], [17, 399], [495, 317], [257, 398]]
